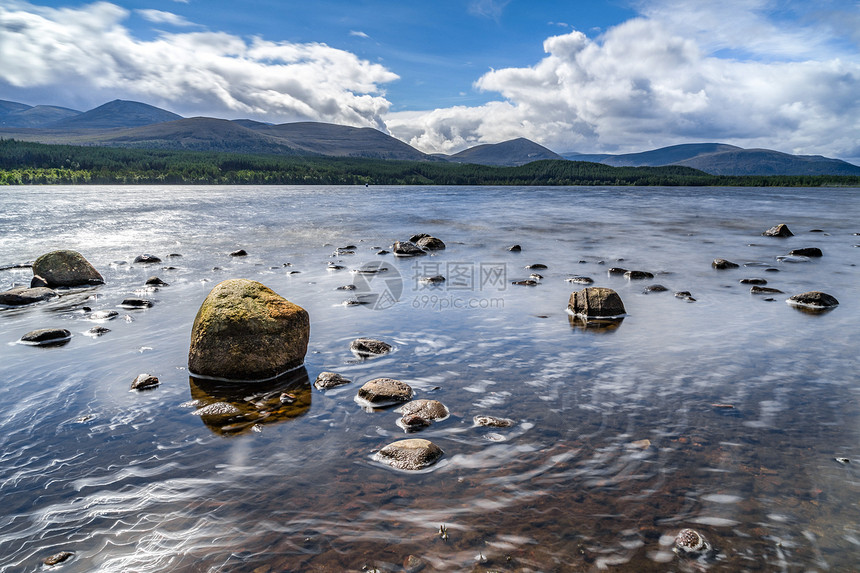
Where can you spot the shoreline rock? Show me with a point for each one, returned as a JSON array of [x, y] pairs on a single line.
[[65, 268], [245, 331]]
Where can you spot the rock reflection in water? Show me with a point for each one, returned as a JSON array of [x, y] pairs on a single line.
[[603, 325], [231, 408]]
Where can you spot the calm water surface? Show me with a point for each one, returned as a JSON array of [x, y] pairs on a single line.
[[619, 442]]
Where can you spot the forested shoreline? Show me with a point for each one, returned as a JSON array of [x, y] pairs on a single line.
[[27, 163]]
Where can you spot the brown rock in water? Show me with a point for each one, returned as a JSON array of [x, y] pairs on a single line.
[[47, 336], [780, 230], [21, 296], [58, 558], [638, 275], [385, 392], [327, 380], [806, 252], [144, 382], [493, 421], [764, 290], [596, 302], [365, 347], [724, 264], [813, 300], [431, 243], [427, 409], [412, 454], [66, 269], [407, 249], [246, 331]]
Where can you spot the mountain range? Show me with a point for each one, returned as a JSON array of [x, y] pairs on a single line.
[[122, 123]]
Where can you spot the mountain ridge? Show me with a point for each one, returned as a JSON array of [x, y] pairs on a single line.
[[122, 123]]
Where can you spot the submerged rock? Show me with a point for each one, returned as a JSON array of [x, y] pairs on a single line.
[[536, 267], [385, 392], [103, 315], [136, 303], [596, 302], [526, 282], [327, 380], [655, 288], [616, 271], [764, 290], [813, 300], [58, 558], [21, 296], [515, 248], [365, 347], [146, 259], [430, 243], [690, 541], [638, 275], [98, 331], [780, 230], [493, 422], [407, 249], [753, 281], [155, 281], [239, 253], [427, 409], [724, 264], [580, 280], [806, 252], [245, 331], [411, 454], [145, 382], [66, 269], [46, 336]]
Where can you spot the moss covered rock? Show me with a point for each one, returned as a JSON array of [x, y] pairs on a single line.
[[66, 269], [246, 331]]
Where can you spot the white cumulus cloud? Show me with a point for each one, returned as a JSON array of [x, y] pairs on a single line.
[[87, 52], [644, 84], [162, 17]]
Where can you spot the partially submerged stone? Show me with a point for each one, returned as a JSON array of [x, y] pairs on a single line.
[[492, 421], [430, 243], [66, 268], [596, 302], [427, 409], [806, 252], [21, 296], [365, 347], [46, 336], [246, 331], [58, 558], [723, 264], [780, 230], [813, 300], [407, 249], [638, 275], [146, 259], [755, 289], [144, 382], [412, 454], [327, 380], [385, 392]]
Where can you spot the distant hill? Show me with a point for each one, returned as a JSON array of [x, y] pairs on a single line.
[[36, 117], [768, 162], [195, 133], [510, 153], [723, 159], [114, 114], [339, 140], [121, 123]]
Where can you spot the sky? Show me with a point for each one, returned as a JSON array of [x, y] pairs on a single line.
[[611, 76]]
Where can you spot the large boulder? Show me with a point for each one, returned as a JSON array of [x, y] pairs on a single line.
[[246, 331], [66, 269], [596, 302]]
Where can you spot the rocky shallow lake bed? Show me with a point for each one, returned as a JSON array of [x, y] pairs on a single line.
[[399, 395]]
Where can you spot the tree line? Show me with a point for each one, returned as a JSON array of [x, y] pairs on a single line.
[[27, 163]]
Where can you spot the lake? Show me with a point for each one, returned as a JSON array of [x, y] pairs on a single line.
[[733, 414]]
